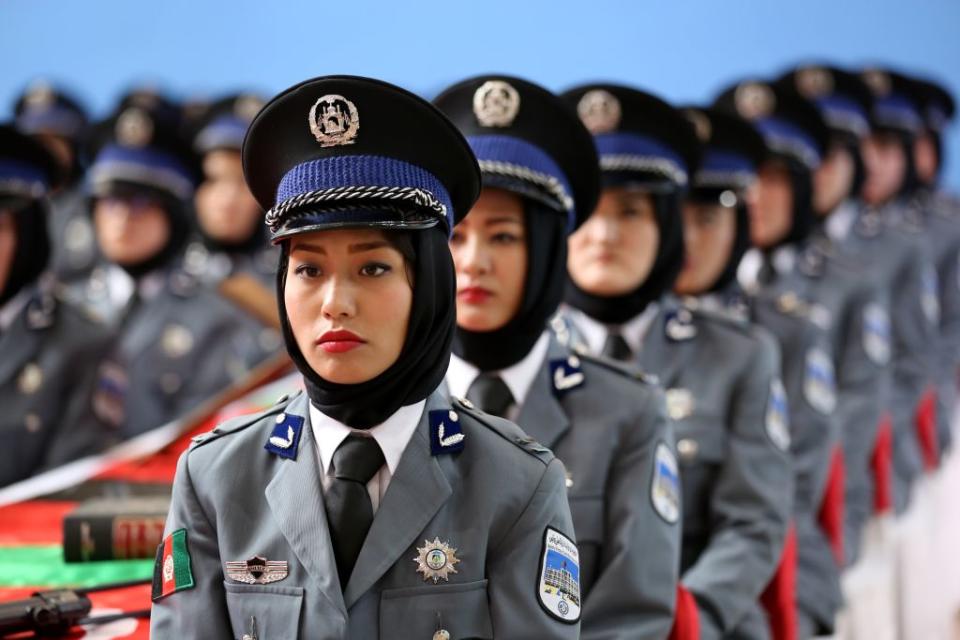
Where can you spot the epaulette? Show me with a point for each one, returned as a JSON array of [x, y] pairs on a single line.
[[233, 425], [620, 368], [506, 429], [736, 315], [63, 297]]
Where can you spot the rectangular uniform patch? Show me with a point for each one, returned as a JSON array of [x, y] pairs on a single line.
[[558, 585], [172, 571]]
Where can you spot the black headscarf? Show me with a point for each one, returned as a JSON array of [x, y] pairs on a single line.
[[423, 361], [546, 241], [32, 252], [666, 268]]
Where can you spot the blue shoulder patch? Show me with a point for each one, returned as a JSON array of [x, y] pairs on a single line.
[[566, 374], [285, 437]]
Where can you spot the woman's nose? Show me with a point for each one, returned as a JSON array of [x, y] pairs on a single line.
[[339, 300], [474, 257]]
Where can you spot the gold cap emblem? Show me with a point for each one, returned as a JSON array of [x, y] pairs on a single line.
[[247, 107], [599, 111], [496, 104], [40, 95], [754, 100], [334, 121], [134, 128], [814, 82], [700, 122], [877, 80]]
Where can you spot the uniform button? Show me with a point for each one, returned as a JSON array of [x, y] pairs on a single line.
[[442, 634], [568, 480], [32, 422], [281, 418], [170, 383], [687, 448]]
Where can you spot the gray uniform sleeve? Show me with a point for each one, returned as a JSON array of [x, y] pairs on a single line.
[[948, 354], [514, 568], [198, 612], [750, 508], [635, 593], [863, 386]]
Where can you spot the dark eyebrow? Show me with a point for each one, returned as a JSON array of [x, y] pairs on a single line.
[[502, 219], [353, 248]]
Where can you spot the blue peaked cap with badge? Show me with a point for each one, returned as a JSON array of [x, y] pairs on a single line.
[[639, 137], [527, 141], [347, 151], [895, 108], [45, 109], [27, 170], [843, 99], [732, 150], [224, 125], [790, 125]]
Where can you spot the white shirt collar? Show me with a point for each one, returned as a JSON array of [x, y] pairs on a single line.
[[13, 307], [784, 259], [392, 434], [840, 222], [748, 271], [518, 377], [633, 330]]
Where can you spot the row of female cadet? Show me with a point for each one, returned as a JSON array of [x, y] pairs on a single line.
[[575, 365]]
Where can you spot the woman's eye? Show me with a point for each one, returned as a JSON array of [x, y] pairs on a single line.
[[456, 238], [505, 237], [307, 271], [374, 269]]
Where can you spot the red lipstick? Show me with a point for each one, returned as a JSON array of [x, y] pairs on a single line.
[[474, 295], [339, 341]]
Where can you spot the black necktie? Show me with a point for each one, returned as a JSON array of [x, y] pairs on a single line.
[[491, 394], [349, 510], [616, 348], [767, 273]]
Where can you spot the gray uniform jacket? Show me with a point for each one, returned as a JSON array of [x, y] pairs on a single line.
[[211, 267], [721, 377], [810, 383], [53, 407], [495, 502], [854, 311], [942, 221], [608, 425], [181, 347], [896, 253]]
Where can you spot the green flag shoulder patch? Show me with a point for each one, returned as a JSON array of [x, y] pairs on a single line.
[[171, 571]]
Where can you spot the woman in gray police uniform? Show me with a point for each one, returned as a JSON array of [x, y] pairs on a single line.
[[371, 506], [722, 377], [781, 218], [53, 410], [605, 422]]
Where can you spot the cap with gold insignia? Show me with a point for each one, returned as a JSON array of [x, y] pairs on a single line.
[[842, 98], [731, 152], [791, 126], [44, 108], [224, 125], [639, 137], [895, 109], [27, 170], [140, 148], [528, 141], [341, 151]]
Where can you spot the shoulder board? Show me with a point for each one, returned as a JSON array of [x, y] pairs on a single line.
[[733, 318], [620, 368], [233, 425], [506, 429]]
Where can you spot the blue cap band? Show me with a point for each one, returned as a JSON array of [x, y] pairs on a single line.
[[721, 168], [897, 112], [349, 174], [787, 138], [844, 113], [140, 165], [225, 132], [506, 156], [55, 119], [22, 179], [632, 153]]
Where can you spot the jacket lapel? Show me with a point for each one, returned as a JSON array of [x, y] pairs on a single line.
[[541, 415], [17, 344], [295, 496], [417, 491]]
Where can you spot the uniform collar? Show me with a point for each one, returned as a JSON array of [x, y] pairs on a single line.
[[392, 435], [518, 377], [633, 331], [11, 310]]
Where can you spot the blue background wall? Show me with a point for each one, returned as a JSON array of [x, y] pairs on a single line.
[[685, 49]]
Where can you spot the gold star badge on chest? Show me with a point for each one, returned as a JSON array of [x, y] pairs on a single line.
[[436, 560]]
